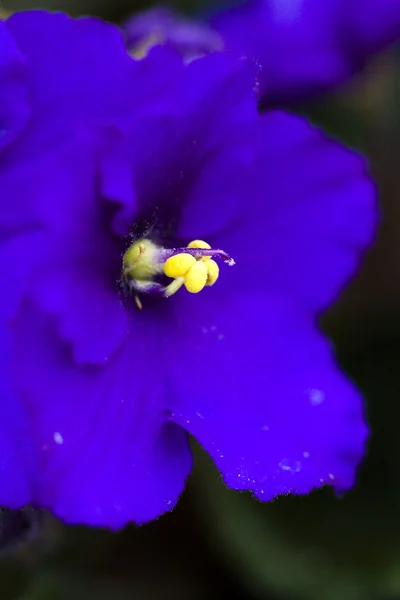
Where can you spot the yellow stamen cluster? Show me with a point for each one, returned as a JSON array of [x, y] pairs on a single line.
[[193, 273]]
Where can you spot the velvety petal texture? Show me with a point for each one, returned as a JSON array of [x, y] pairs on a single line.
[[101, 395], [55, 81], [290, 421], [304, 47], [18, 454], [14, 108], [107, 453]]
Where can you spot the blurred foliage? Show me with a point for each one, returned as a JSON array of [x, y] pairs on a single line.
[[112, 10], [165, 559]]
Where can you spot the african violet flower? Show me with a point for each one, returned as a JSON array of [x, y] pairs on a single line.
[[116, 164], [302, 47], [307, 46]]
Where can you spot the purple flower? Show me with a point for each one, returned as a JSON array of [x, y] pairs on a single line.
[[301, 47], [307, 46], [120, 163], [162, 26]]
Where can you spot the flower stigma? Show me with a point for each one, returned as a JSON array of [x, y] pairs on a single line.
[[194, 267]]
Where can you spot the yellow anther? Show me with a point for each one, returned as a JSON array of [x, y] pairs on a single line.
[[196, 278], [200, 244], [179, 265], [212, 272]]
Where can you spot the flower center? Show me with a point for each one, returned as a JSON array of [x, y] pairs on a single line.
[[145, 265]]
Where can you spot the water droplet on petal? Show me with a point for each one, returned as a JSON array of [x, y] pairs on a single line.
[[58, 438], [316, 396], [243, 475], [294, 466]]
